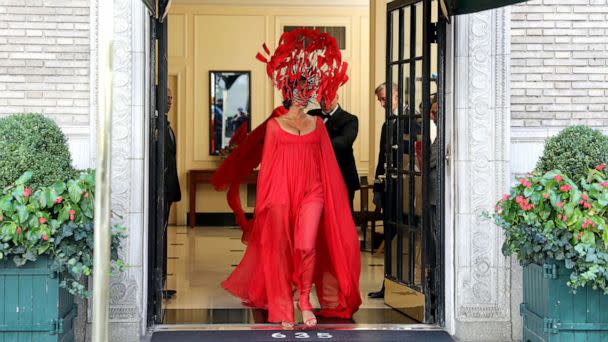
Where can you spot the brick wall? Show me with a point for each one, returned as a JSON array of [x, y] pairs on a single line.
[[559, 63], [44, 59]]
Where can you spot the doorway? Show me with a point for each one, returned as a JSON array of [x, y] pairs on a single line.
[[174, 252]]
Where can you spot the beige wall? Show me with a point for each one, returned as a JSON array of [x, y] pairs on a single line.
[[207, 37]]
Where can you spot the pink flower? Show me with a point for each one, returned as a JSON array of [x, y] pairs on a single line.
[[600, 167], [18, 230], [42, 220], [44, 237], [588, 224], [586, 205], [519, 199], [584, 197], [565, 187], [27, 192], [58, 200], [546, 195], [558, 178], [505, 197], [72, 212], [565, 218], [560, 204], [498, 208], [86, 195], [525, 182]]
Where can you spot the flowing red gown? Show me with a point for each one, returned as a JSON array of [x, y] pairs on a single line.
[[302, 233]]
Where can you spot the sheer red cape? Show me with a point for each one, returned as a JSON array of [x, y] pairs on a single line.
[[240, 163], [337, 251]]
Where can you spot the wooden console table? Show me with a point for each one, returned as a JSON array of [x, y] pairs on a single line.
[[196, 177]]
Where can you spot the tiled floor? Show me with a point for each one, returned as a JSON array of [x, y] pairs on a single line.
[[200, 259]]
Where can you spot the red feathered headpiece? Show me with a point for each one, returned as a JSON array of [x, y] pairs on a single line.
[[307, 63]]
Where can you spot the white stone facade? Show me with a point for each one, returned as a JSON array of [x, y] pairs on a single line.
[[480, 306]]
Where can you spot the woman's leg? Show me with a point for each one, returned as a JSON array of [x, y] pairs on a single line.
[[277, 265], [305, 238]]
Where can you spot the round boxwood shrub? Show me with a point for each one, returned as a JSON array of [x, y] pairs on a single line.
[[574, 151], [32, 142]]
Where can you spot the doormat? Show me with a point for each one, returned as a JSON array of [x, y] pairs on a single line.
[[302, 335]]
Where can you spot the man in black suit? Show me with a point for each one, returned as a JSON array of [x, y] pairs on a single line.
[[342, 128], [172, 189], [380, 199]]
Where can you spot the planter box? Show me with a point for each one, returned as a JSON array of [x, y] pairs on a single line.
[[32, 305], [552, 313]]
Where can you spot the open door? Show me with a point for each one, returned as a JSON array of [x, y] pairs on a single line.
[[413, 236], [157, 212]]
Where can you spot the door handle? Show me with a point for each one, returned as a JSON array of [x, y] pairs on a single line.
[[448, 154]]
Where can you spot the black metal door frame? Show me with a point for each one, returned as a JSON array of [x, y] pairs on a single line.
[[157, 206], [398, 223]]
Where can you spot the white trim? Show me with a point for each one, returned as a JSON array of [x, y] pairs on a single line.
[[450, 185]]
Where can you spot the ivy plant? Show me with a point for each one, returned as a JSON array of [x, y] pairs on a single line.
[[549, 216], [57, 221]]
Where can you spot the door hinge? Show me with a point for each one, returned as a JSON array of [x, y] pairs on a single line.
[[550, 326], [56, 326], [550, 271]]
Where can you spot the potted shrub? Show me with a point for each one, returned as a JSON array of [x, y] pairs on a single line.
[[556, 223], [46, 231]]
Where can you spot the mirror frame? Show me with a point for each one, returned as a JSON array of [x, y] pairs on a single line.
[[211, 95]]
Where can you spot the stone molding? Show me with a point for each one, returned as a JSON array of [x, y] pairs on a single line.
[[482, 125]]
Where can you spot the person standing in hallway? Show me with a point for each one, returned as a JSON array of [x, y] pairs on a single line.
[[380, 199], [343, 128], [172, 189]]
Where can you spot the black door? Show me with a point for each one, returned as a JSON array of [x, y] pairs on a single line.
[[413, 220], [157, 214]]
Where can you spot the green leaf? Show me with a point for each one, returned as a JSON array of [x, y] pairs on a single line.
[[64, 214], [42, 249], [22, 212], [41, 200], [75, 191], [59, 188], [25, 177]]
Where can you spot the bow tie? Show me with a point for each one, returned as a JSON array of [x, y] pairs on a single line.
[[325, 115]]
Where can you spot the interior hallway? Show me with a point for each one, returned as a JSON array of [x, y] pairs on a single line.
[[200, 259]]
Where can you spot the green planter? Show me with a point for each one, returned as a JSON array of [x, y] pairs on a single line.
[[552, 313], [33, 307]]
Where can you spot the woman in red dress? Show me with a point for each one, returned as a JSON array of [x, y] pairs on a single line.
[[302, 232]]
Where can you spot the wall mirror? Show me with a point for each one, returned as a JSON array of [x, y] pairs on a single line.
[[229, 107]]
